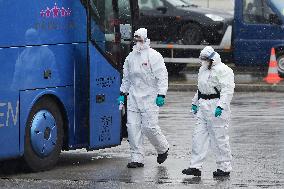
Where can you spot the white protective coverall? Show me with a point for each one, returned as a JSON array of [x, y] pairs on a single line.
[[211, 130], [144, 77]]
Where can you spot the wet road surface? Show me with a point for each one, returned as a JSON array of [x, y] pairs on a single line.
[[256, 137]]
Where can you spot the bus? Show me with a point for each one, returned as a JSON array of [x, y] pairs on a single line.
[[61, 63]]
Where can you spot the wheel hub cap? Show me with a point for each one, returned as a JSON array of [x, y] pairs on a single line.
[[43, 133], [281, 64]]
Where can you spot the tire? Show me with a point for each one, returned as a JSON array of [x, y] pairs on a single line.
[[191, 35], [280, 62], [43, 144]]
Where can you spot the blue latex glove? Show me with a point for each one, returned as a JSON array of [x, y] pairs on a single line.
[[160, 101], [120, 99], [218, 111], [194, 108]]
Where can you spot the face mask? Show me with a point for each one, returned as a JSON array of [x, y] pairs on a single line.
[[139, 45], [204, 63]]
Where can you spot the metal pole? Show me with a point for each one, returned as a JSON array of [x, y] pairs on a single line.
[[207, 3]]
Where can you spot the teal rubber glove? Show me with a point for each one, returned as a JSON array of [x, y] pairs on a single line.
[[218, 111], [160, 101], [194, 108], [120, 99]]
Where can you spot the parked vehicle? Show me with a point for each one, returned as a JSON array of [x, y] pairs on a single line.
[[178, 22], [175, 20], [258, 26], [60, 76]]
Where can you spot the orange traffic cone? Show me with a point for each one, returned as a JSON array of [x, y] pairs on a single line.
[[272, 76]]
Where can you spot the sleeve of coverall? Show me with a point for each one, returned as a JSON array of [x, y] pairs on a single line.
[[125, 80], [195, 99], [160, 72], [226, 80]]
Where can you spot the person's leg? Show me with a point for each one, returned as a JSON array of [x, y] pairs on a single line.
[[220, 142], [200, 144], [135, 136], [153, 132]]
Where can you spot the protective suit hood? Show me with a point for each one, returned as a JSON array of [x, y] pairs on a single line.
[[209, 53], [141, 32], [216, 59]]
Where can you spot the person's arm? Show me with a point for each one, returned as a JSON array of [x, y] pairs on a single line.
[[160, 72], [226, 80], [195, 99], [125, 85]]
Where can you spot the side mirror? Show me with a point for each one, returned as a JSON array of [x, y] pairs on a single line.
[[274, 19], [162, 9]]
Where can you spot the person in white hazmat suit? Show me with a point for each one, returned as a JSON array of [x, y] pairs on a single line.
[[211, 105], [145, 83]]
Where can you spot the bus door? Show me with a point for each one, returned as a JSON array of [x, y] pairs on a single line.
[[106, 52]]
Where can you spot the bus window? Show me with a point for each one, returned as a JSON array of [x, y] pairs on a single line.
[[103, 29], [124, 11], [125, 19]]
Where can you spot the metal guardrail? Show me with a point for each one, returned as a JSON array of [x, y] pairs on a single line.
[[224, 45]]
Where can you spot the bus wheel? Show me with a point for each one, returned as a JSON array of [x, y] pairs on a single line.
[[280, 62], [43, 135]]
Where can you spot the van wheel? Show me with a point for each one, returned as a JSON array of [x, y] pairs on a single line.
[[280, 62], [191, 35], [43, 135]]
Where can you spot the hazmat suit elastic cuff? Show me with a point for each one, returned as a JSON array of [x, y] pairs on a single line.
[[221, 104], [160, 95], [220, 107], [123, 93], [196, 104], [162, 92]]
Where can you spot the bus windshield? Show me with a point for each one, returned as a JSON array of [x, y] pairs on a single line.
[[107, 25]]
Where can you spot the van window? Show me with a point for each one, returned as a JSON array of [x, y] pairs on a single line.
[[256, 12]]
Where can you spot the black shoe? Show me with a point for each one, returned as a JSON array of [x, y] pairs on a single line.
[[220, 173], [162, 157], [135, 165], [192, 171]]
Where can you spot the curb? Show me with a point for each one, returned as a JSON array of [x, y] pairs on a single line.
[[238, 88]]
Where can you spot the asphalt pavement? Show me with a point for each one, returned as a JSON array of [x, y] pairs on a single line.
[[256, 137]]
